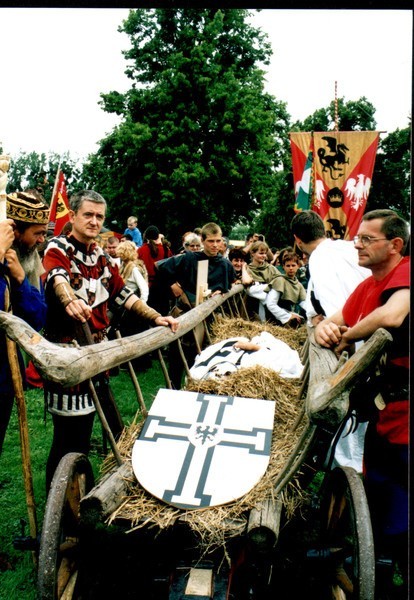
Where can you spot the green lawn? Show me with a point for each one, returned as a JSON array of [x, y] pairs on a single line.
[[17, 572]]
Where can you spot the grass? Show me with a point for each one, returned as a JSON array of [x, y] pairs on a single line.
[[17, 571]]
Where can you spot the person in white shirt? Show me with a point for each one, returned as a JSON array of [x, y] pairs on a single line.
[[334, 274]]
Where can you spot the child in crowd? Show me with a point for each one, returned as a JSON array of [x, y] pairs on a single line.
[[133, 231], [292, 294], [277, 293]]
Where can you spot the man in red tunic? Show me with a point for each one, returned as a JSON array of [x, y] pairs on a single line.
[[382, 300], [83, 285]]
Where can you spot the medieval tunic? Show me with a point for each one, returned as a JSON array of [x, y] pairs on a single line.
[[264, 274], [183, 268], [96, 280], [291, 292], [386, 442]]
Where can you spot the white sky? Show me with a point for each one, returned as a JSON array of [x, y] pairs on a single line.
[[56, 62]]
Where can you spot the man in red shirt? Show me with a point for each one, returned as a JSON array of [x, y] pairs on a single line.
[[382, 300]]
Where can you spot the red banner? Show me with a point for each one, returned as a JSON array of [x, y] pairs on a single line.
[[59, 208], [343, 164]]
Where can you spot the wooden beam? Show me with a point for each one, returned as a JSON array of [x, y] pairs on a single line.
[[71, 365]]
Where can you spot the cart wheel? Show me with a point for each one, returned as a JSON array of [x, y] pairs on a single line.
[[59, 542], [347, 534]]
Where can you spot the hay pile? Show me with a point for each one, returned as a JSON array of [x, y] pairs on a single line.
[[223, 328], [216, 525]]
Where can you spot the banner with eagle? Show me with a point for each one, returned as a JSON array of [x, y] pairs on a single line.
[[332, 174]]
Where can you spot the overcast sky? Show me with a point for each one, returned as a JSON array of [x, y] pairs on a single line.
[[56, 62]]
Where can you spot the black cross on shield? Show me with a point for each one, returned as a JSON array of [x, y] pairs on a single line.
[[198, 450]]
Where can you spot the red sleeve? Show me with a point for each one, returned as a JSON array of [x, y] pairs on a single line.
[[400, 276], [53, 259]]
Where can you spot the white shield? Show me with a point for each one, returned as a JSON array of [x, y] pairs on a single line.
[[197, 450]]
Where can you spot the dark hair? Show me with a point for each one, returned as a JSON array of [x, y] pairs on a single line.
[[392, 224], [151, 233], [308, 226], [236, 253], [283, 252]]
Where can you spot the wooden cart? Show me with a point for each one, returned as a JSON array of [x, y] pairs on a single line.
[[330, 554]]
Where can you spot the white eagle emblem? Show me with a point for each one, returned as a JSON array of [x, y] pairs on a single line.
[[358, 190], [319, 192]]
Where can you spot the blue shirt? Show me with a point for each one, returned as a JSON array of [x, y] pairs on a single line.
[[28, 304], [135, 234]]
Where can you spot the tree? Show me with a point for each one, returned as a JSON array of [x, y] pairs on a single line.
[[199, 139], [354, 115], [391, 180], [32, 170]]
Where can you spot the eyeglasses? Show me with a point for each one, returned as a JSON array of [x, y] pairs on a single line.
[[194, 245], [366, 240]]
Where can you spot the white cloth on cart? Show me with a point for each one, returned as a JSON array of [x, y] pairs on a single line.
[[223, 358]]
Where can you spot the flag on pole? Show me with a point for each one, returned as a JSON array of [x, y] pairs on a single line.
[[303, 176], [343, 167], [59, 208]]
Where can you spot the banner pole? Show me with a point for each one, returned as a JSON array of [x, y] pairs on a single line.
[[336, 107], [55, 189]]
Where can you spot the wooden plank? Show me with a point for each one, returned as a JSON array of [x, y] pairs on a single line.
[[200, 583], [202, 281]]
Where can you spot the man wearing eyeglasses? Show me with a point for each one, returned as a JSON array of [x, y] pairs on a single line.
[[382, 300]]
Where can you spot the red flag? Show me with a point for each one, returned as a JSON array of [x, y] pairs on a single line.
[[303, 175], [343, 168], [59, 208]]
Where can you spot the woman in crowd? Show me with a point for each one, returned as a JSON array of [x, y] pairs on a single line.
[[192, 242], [132, 270], [155, 248]]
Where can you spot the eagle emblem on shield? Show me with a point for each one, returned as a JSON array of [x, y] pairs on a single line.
[[198, 450]]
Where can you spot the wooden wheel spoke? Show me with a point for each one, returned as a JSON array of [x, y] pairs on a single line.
[[343, 579], [69, 545], [74, 494], [67, 593], [337, 507], [66, 568]]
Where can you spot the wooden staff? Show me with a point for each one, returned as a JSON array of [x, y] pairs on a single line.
[[18, 385], [89, 339]]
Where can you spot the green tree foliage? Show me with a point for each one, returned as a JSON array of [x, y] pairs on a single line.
[[392, 174], [32, 170], [199, 138], [354, 115]]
